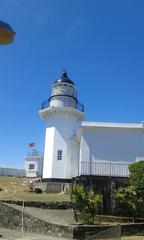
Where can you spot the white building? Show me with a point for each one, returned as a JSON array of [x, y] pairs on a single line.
[[74, 147], [33, 164]]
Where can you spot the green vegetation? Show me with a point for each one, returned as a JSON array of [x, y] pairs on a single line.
[[136, 176], [131, 198], [85, 203], [15, 189], [128, 201]]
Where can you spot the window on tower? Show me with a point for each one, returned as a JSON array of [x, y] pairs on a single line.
[[59, 155], [31, 166]]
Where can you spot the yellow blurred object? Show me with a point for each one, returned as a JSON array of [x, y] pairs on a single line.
[[6, 33]]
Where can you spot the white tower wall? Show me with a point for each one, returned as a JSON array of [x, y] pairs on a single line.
[[48, 153], [61, 137]]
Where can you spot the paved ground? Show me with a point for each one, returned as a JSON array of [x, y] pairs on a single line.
[[17, 235], [64, 217]]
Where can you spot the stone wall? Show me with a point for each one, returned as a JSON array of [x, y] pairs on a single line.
[[82, 231], [50, 187], [132, 229], [41, 204], [105, 186], [12, 218]]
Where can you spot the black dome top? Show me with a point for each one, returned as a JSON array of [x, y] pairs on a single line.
[[64, 78]]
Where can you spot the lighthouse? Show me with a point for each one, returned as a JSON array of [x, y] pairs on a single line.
[[63, 114]]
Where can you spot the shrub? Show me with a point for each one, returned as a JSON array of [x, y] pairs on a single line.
[[85, 203], [136, 175], [131, 199]]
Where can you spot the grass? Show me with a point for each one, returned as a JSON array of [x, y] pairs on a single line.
[[15, 189]]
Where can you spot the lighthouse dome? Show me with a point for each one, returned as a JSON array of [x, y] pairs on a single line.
[[64, 78]]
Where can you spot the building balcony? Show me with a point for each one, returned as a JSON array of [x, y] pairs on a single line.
[[62, 101], [111, 169]]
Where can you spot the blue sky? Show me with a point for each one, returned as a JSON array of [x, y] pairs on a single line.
[[100, 43]]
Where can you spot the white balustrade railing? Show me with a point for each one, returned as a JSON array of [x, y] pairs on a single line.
[[104, 169]]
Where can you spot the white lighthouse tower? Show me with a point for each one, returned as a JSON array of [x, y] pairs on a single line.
[[63, 115]]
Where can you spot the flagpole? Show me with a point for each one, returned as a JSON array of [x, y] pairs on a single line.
[[33, 147]]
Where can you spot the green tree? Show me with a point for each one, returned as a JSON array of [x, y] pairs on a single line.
[[131, 199], [85, 203], [128, 200], [136, 176]]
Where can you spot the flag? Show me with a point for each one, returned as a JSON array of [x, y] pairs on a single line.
[[32, 145]]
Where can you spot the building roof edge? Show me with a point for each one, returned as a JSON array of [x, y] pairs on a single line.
[[112, 125]]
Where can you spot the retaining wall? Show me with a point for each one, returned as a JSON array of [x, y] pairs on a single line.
[[41, 204], [12, 218]]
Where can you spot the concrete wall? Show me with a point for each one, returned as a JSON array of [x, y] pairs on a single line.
[[84, 231], [12, 172], [103, 144], [50, 187]]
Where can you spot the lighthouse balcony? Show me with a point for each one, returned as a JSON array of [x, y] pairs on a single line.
[[61, 101]]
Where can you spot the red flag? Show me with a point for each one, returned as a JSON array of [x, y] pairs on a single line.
[[31, 145]]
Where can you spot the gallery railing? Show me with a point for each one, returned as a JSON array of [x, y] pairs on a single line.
[[63, 101], [104, 169]]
